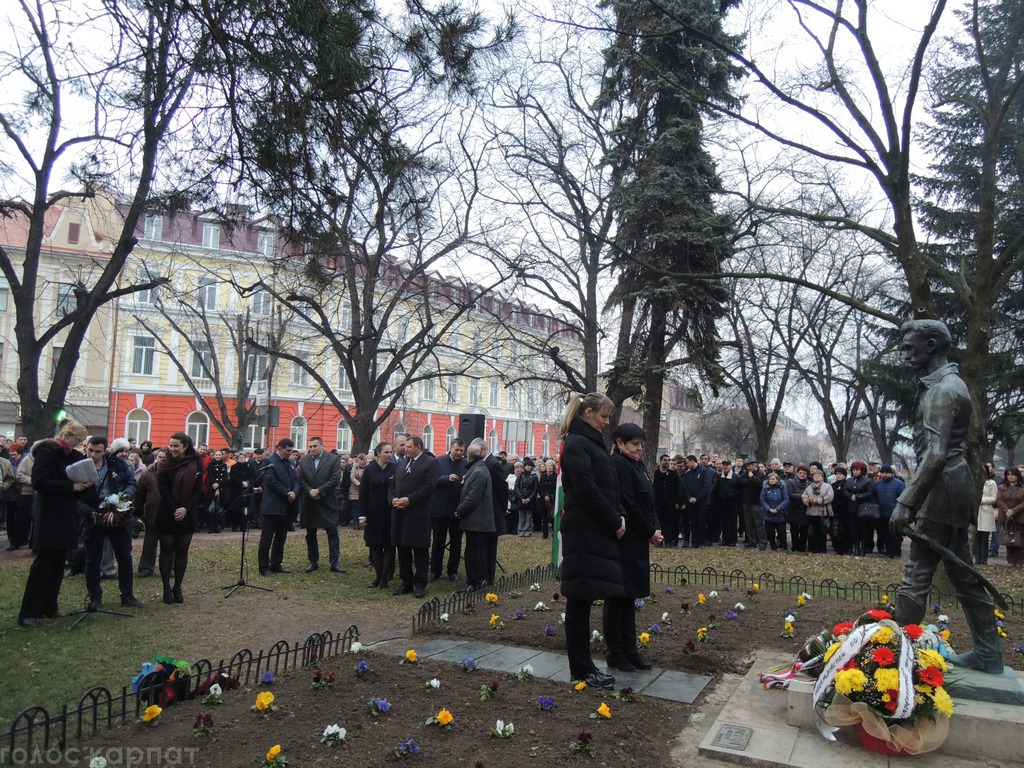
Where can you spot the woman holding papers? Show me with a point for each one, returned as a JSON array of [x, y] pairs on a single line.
[[56, 526]]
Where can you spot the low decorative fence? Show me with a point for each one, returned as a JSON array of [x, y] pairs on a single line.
[[737, 580], [35, 731]]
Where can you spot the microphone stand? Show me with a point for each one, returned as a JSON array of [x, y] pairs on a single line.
[[246, 495]]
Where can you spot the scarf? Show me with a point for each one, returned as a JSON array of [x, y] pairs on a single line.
[[183, 483]]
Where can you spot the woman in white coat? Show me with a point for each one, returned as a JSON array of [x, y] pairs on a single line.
[[986, 517]]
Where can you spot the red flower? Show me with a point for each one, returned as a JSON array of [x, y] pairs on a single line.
[[913, 631], [842, 629], [851, 664], [930, 676], [892, 702], [878, 615], [883, 656]]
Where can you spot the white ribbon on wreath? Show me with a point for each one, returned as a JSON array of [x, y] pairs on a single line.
[[852, 646]]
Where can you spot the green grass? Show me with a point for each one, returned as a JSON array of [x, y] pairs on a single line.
[[54, 664]]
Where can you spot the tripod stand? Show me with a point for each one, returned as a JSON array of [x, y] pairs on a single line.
[[246, 496], [90, 609]]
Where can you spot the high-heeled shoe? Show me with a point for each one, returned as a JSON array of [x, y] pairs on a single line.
[[168, 598]]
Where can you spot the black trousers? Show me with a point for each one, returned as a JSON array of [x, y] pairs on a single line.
[[729, 517], [445, 529], [147, 560], [577, 638], [19, 521], [669, 518], [121, 542], [491, 555], [272, 537], [407, 558], [476, 558], [620, 627], [43, 585], [698, 524]]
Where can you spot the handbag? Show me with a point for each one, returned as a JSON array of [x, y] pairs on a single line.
[[869, 511], [1009, 536]]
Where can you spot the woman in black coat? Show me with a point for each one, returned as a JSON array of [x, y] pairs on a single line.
[[375, 513], [636, 494], [180, 480], [57, 519], [592, 524], [859, 490]]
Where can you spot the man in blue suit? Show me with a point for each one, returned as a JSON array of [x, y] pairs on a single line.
[[280, 490]]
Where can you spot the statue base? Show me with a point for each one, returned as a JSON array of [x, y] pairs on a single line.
[[982, 686]]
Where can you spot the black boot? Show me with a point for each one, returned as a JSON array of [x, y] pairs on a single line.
[[168, 597]]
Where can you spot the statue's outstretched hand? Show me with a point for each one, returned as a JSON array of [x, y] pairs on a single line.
[[902, 517]]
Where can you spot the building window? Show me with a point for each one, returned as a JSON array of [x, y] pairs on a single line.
[[207, 293], [300, 376], [428, 438], [346, 317], [399, 430], [147, 295], [257, 366], [298, 431], [474, 391], [55, 354], [428, 390], [453, 390], [545, 446], [449, 436], [254, 436], [265, 243], [5, 293], [154, 227], [74, 233], [492, 441], [202, 361], [197, 426], [344, 384], [515, 398], [143, 353], [66, 301], [344, 437], [211, 235], [136, 424], [261, 303], [495, 394]]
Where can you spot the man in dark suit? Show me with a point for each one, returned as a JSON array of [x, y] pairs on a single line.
[[695, 498], [319, 477], [499, 505], [410, 493], [448, 474], [280, 489]]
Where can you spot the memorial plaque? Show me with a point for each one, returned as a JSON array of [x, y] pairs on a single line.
[[733, 737]]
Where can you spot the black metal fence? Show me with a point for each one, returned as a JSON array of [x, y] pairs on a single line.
[[735, 580], [36, 731]]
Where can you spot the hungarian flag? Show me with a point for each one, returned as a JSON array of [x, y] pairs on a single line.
[[556, 526]]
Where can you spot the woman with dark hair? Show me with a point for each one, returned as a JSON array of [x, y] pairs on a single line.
[[636, 496], [375, 513], [859, 490], [180, 480], [1010, 505], [986, 515], [146, 453], [592, 523]]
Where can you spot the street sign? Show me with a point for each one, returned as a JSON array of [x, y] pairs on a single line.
[[262, 392]]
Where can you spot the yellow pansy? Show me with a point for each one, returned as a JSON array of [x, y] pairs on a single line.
[[757, 587], [444, 717], [151, 713], [264, 700], [801, 600], [410, 655], [944, 634], [832, 649], [603, 711], [885, 599], [273, 752], [580, 685], [999, 614], [701, 598], [850, 680], [645, 637], [490, 597], [495, 619], [788, 626]]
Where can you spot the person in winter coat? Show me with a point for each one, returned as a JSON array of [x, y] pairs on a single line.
[[986, 525], [887, 489], [525, 495], [752, 480], [818, 497], [1010, 503], [842, 525], [212, 514], [859, 490], [180, 481], [147, 502], [375, 513], [797, 514], [57, 519], [546, 492], [774, 503], [475, 513], [636, 495], [592, 523]]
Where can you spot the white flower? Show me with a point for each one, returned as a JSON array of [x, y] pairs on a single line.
[[540, 606], [527, 669], [434, 682], [665, 616], [712, 594], [563, 617], [444, 617], [535, 587], [98, 762], [943, 619], [333, 734], [791, 618], [112, 498], [356, 647], [503, 730], [740, 607], [806, 596], [215, 690]]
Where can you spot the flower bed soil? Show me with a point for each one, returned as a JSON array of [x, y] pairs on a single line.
[[639, 733]]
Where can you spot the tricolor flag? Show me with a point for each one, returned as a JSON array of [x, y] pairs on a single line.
[[556, 526]]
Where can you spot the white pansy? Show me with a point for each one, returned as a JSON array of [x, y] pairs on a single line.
[[356, 647], [215, 690], [535, 587], [740, 607], [943, 618], [434, 683], [791, 618], [444, 617], [712, 594]]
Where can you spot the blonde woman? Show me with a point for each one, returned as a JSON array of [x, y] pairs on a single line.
[[56, 526], [592, 523]]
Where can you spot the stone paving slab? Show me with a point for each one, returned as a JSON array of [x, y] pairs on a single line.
[[507, 659], [675, 686], [459, 651]]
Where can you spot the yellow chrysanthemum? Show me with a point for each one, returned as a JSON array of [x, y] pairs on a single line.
[[831, 650], [922, 688], [495, 618], [581, 685], [264, 700], [929, 658], [887, 679], [943, 702], [603, 711], [883, 636], [151, 713], [701, 598], [444, 717], [273, 752], [919, 700], [850, 680], [410, 655]]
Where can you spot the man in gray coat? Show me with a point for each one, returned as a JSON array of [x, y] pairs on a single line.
[[410, 493], [476, 516], [319, 478], [280, 490]]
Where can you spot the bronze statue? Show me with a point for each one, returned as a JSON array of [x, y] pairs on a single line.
[[940, 499]]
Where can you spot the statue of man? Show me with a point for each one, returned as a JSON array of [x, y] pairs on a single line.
[[940, 499]]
